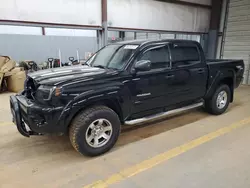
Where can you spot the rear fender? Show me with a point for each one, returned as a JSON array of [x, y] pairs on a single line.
[[222, 77]]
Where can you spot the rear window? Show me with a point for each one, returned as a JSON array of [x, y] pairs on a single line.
[[185, 53]]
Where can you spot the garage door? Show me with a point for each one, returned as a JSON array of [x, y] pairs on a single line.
[[237, 39]]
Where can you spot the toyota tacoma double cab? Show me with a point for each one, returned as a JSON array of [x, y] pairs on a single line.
[[123, 83]]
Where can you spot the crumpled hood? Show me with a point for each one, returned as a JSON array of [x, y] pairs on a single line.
[[62, 75]]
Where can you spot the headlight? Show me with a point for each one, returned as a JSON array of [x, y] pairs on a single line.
[[44, 92]]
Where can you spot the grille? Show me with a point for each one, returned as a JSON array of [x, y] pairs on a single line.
[[30, 88]]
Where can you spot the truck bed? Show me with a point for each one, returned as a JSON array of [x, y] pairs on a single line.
[[225, 66], [223, 61]]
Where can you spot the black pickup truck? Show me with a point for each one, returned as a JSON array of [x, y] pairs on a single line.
[[124, 83]]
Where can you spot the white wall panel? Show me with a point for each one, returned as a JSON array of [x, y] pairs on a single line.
[[81, 12], [20, 30], [167, 36], [129, 36], [153, 36], [148, 14], [203, 2], [69, 32], [141, 36]]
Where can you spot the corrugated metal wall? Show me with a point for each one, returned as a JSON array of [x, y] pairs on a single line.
[[40, 48], [237, 39]]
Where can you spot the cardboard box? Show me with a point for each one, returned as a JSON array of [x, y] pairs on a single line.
[[14, 71], [1, 80], [2, 61], [15, 83], [8, 65]]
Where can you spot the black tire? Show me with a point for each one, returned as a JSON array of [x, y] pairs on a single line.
[[211, 104], [81, 123]]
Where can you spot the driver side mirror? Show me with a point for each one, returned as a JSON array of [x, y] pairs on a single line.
[[143, 65]]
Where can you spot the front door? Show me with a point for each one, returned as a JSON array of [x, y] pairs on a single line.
[[150, 86]]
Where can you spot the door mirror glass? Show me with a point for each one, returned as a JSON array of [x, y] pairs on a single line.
[[143, 65]]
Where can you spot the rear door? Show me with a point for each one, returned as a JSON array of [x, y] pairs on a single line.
[[190, 72]]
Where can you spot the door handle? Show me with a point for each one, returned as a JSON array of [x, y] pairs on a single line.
[[169, 76], [201, 71]]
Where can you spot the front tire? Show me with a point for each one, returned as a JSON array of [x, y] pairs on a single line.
[[95, 130], [220, 100]]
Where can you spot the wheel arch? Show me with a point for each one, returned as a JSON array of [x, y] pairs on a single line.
[[230, 82], [228, 78], [110, 103]]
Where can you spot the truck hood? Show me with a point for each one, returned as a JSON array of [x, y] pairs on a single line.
[[57, 76]]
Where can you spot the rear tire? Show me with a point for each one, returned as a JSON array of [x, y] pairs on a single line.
[[95, 130], [220, 100]]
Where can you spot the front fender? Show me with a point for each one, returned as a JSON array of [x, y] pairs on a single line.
[[120, 95]]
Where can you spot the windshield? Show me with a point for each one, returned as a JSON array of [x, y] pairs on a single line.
[[112, 56]]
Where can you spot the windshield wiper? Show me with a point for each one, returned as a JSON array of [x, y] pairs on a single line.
[[85, 64], [100, 66], [103, 67]]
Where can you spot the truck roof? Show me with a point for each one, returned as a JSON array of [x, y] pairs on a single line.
[[142, 42]]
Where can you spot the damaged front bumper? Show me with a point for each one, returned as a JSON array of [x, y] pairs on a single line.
[[34, 119]]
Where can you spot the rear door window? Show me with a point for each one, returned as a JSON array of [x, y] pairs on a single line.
[[184, 55]]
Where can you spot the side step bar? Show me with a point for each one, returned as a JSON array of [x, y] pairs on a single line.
[[162, 114]]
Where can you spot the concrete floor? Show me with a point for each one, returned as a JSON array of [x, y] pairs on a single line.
[[170, 153]]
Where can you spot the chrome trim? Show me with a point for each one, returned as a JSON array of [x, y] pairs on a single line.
[[88, 79], [73, 94], [79, 102], [125, 81], [239, 67], [50, 94], [162, 114], [135, 79], [96, 96], [143, 94], [113, 92]]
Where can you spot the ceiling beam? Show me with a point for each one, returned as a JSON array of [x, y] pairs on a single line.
[[186, 3], [139, 30], [53, 25]]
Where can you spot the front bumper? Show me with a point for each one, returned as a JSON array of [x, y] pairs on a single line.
[[17, 119], [39, 119]]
